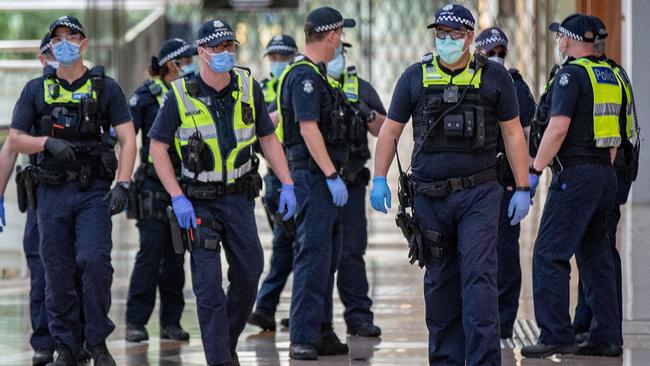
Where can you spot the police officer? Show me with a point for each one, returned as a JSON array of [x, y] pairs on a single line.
[[41, 341], [586, 101], [456, 100], [71, 110], [156, 264], [214, 120], [312, 119], [493, 44], [280, 51], [367, 115], [625, 164]]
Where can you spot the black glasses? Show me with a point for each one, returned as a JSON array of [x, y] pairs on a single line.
[[455, 34], [229, 46]]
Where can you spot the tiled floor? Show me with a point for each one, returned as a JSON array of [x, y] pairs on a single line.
[[396, 290]]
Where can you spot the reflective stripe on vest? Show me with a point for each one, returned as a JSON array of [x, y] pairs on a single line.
[[195, 116], [269, 90], [159, 99], [65, 96], [630, 125], [279, 129], [608, 98], [432, 75]]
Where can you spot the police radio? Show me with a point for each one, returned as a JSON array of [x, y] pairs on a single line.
[[195, 148]]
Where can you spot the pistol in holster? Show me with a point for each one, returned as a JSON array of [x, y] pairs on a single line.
[[180, 237], [26, 183]]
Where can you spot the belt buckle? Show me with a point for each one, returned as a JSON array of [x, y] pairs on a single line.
[[455, 184]]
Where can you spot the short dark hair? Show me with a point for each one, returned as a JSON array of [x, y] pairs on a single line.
[[311, 35]]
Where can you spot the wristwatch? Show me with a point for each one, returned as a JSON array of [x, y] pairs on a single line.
[[124, 185], [332, 176], [522, 189], [532, 170]]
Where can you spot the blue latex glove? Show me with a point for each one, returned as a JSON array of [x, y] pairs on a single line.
[[184, 211], [338, 190], [287, 201], [518, 207], [2, 212], [533, 180], [379, 194]]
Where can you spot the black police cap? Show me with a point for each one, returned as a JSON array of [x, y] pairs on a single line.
[[282, 44], [601, 30], [326, 19], [490, 38], [69, 22], [576, 26], [215, 32], [45, 44], [454, 16], [174, 48]]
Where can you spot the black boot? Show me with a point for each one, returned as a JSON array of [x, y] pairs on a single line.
[[101, 356], [262, 320], [365, 330], [593, 349], [284, 322], [303, 352], [175, 333], [84, 355], [41, 358], [329, 343], [540, 350], [136, 333], [63, 357]]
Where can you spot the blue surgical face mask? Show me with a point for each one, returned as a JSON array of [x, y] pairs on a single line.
[[66, 52], [497, 59], [222, 62], [336, 67], [277, 68], [189, 69], [450, 50]]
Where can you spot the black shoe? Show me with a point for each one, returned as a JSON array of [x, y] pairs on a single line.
[[542, 350], [329, 343], [266, 322], [101, 356], [84, 355], [582, 337], [365, 330], [175, 333], [303, 352], [41, 358], [592, 349], [136, 333], [63, 357], [284, 322]]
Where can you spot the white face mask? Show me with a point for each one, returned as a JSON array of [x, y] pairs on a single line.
[[54, 64], [560, 57], [497, 59]]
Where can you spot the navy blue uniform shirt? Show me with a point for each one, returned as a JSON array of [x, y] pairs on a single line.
[[571, 95], [31, 104], [497, 89], [144, 107], [221, 106], [525, 98]]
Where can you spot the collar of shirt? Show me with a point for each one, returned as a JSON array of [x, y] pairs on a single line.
[[207, 90], [75, 84]]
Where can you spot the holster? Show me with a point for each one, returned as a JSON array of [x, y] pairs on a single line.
[[275, 218], [180, 237], [26, 184], [351, 176], [251, 184]]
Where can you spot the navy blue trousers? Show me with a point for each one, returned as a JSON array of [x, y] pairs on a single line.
[[222, 316], [509, 274], [583, 314], [460, 290], [156, 267], [316, 256], [282, 256], [40, 339], [574, 222], [351, 280], [75, 229]]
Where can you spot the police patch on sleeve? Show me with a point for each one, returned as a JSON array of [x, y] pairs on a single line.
[[564, 79], [134, 100], [308, 86]]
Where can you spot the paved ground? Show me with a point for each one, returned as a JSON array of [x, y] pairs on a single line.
[[396, 289]]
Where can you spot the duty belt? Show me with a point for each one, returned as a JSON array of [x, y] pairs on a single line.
[[251, 184], [442, 188]]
